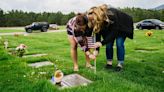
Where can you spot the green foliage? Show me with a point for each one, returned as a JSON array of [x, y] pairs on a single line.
[[140, 14], [1, 17], [20, 18]]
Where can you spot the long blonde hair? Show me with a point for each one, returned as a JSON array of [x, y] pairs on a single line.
[[99, 14]]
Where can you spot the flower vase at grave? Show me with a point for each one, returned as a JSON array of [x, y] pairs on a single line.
[[21, 50], [21, 53], [57, 78]]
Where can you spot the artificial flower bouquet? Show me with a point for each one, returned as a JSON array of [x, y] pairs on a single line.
[[20, 50]]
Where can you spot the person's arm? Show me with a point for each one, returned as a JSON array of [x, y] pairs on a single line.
[[82, 41], [98, 39], [108, 36]]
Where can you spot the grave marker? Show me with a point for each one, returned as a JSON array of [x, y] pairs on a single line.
[[74, 80], [34, 55], [40, 64]]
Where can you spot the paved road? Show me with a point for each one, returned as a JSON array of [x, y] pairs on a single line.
[[19, 33]]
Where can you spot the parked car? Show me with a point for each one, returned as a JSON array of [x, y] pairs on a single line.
[[43, 26], [150, 24], [54, 27]]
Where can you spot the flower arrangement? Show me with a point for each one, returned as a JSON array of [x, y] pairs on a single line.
[[149, 33], [58, 75], [16, 34], [20, 50]]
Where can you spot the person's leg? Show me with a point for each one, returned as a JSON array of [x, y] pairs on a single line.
[[109, 53], [120, 50], [73, 51]]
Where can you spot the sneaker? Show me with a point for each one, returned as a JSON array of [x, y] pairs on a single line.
[[119, 67], [108, 66]]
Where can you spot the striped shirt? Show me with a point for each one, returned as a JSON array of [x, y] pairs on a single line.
[[71, 25], [84, 42]]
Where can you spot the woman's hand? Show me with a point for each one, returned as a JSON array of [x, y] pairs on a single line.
[[88, 53], [91, 56], [95, 52], [97, 44]]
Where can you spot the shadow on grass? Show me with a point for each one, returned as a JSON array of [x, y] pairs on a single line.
[[147, 49]]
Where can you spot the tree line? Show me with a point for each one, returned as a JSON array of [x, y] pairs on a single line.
[[139, 14], [21, 18]]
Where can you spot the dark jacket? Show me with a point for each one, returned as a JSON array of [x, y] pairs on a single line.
[[122, 25]]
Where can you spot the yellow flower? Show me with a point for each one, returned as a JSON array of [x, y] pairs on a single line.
[[149, 33], [58, 76]]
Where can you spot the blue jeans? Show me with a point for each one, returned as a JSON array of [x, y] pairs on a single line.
[[120, 50]]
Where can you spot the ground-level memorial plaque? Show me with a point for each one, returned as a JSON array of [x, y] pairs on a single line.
[[40, 64], [74, 80], [35, 55]]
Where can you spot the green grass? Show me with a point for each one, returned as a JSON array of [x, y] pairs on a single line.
[[11, 30], [63, 27], [142, 71]]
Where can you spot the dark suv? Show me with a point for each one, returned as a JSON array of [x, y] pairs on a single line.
[[150, 24], [43, 26]]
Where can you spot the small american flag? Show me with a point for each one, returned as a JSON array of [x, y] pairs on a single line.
[[91, 41]]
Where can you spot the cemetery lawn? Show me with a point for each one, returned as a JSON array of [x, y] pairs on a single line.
[[143, 70], [11, 29]]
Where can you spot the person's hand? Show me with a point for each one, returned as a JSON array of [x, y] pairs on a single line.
[[91, 56], [95, 52], [87, 53], [97, 44]]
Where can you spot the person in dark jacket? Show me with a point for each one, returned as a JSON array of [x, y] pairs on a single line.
[[117, 26]]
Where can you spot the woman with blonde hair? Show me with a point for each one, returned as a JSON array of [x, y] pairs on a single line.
[[111, 24]]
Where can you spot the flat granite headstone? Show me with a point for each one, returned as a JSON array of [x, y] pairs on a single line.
[[73, 80], [145, 51], [35, 55], [40, 64]]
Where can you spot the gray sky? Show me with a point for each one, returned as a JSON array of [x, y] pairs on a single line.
[[67, 6]]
